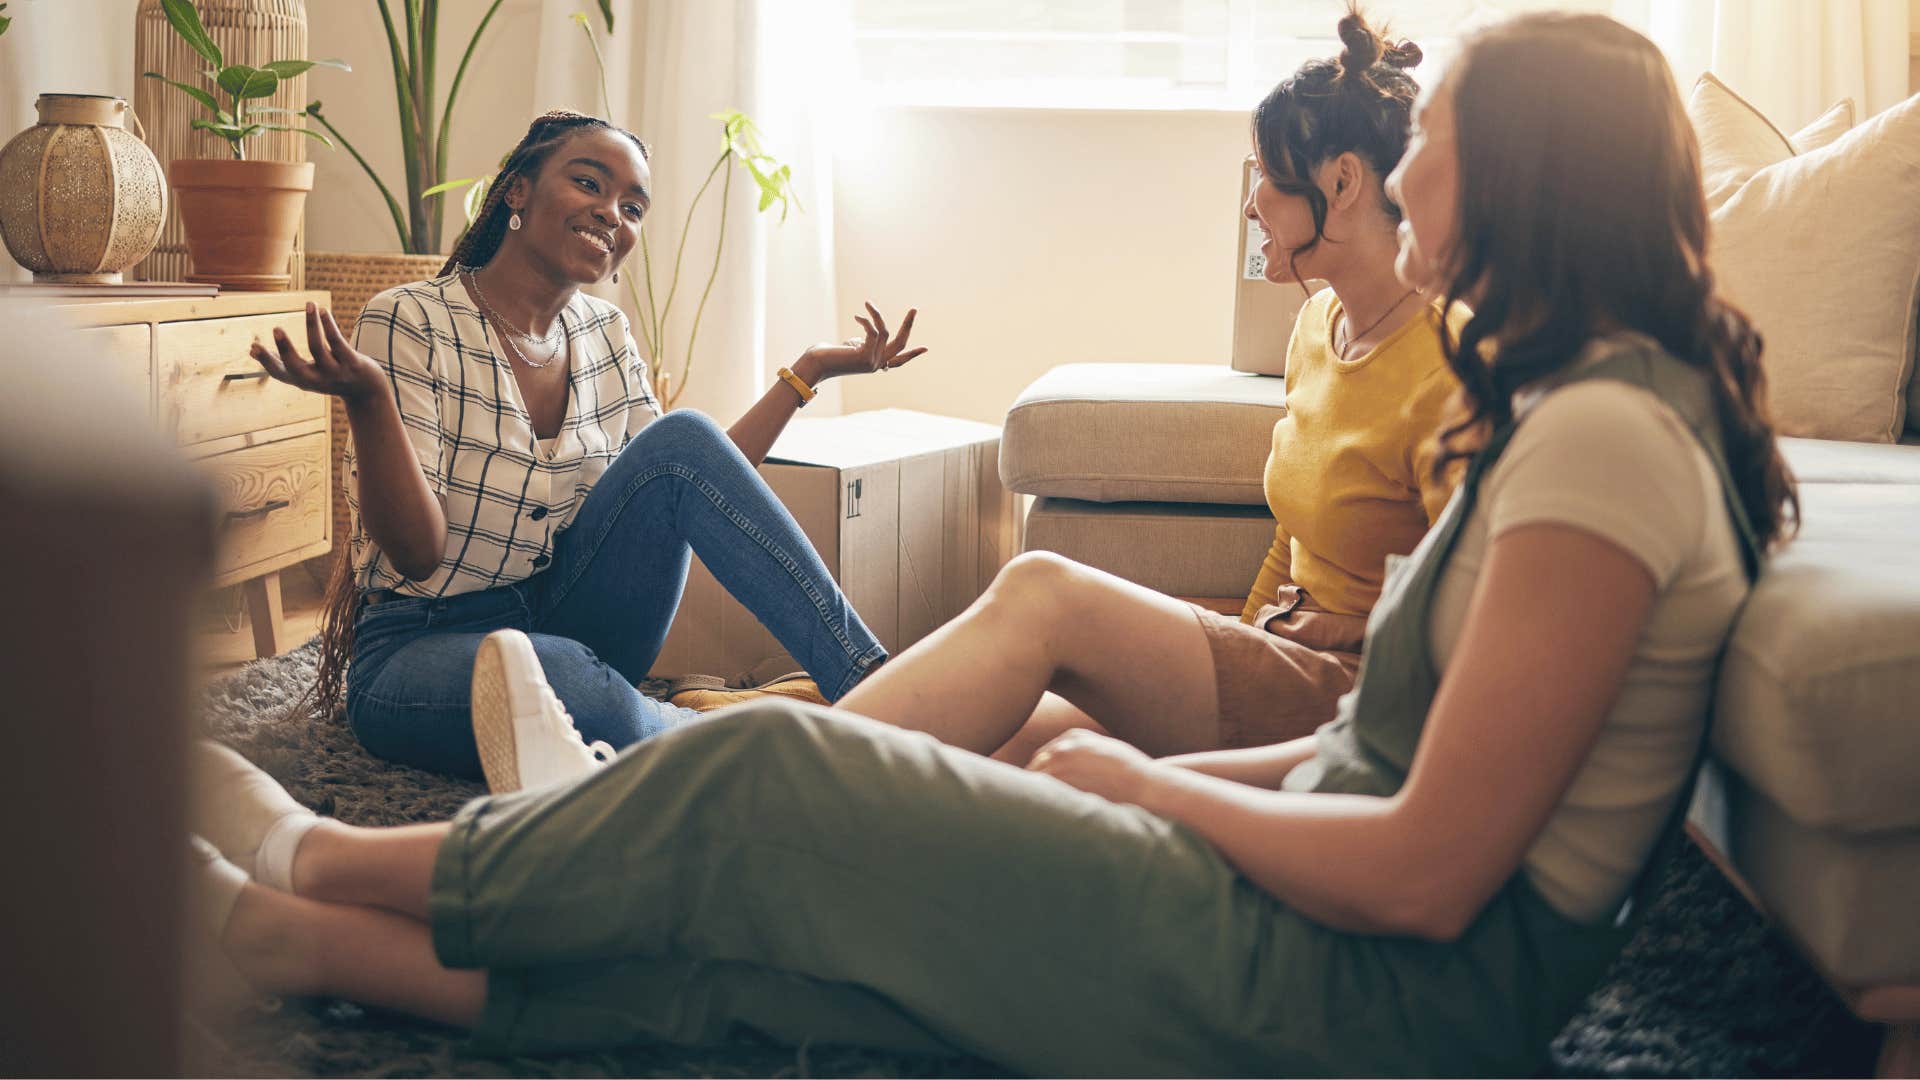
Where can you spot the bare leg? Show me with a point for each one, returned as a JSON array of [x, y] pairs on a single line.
[[1053, 717], [1133, 659], [292, 945], [389, 868]]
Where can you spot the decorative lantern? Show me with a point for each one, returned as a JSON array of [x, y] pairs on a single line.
[[81, 197]]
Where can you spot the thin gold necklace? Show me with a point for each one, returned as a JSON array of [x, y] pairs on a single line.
[[512, 331], [1347, 323]]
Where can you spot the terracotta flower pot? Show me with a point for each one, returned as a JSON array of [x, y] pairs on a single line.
[[241, 218]]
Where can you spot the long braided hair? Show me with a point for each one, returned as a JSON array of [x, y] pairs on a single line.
[[475, 248], [1562, 235], [1359, 102]]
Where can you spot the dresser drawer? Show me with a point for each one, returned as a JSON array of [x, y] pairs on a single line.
[[127, 354], [210, 388], [275, 498]]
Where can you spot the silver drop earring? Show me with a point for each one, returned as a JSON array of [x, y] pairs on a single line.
[[514, 221]]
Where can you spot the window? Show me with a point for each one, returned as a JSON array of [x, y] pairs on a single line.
[[1128, 53]]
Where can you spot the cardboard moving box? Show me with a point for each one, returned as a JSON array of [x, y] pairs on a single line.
[[1263, 312], [906, 510]]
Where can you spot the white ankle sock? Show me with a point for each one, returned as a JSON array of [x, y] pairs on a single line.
[[273, 863]]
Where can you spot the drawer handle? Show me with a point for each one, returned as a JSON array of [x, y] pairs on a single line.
[[259, 511], [239, 375]]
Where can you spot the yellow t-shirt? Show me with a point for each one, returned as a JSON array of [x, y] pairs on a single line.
[[1350, 479]]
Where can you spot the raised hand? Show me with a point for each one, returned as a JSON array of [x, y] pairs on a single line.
[[331, 366], [875, 350]]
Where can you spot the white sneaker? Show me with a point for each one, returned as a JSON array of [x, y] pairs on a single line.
[[525, 737]]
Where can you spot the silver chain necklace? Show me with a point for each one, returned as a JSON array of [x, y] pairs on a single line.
[[1347, 324], [512, 331]]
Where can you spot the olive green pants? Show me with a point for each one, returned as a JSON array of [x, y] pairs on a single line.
[[821, 877]]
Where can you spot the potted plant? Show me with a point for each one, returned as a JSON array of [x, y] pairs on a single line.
[[240, 215]]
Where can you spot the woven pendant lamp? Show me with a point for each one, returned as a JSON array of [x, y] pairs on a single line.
[[248, 32]]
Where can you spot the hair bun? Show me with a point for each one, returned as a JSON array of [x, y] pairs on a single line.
[[1362, 44], [1403, 55]]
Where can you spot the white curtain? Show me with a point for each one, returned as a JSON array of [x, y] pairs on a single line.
[[671, 65], [61, 47], [1790, 58]]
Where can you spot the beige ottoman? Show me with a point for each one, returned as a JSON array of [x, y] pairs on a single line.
[[1149, 471]]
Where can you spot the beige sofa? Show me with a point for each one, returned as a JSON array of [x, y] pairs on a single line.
[[1153, 472]]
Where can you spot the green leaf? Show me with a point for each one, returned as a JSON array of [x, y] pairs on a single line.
[[606, 12], [287, 69], [246, 82], [193, 92], [186, 22], [449, 186], [275, 110], [308, 132], [225, 131], [6, 22], [477, 196]]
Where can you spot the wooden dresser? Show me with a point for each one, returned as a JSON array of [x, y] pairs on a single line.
[[264, 443]]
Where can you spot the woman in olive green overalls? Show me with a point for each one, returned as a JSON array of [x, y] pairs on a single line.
[[1430, 884]]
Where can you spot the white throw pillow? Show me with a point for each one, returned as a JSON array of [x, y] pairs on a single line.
[[1736, 141], [1823, 251]]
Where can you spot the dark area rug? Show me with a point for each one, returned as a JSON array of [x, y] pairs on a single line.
[[1706, 989]]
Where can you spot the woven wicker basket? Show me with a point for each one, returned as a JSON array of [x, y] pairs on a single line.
[[248, 32], [354, 279]]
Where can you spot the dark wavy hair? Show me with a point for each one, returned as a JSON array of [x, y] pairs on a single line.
[[476, 247], [1581, 213], [1361, 101]]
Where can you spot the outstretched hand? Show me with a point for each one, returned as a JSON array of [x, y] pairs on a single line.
[[335, 367], [874, 351]]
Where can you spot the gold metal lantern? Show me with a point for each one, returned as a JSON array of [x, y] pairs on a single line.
[[81, 197]]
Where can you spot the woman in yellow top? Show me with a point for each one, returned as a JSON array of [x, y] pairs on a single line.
[[1350, 479]]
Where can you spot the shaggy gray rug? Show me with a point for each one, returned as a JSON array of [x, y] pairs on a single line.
[[1706, 989]]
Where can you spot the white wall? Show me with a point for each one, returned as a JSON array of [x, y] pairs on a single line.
[[1913, 40], [61, 47], [345, 211], [1031, 238]]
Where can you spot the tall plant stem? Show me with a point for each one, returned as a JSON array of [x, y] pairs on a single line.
[[646, 332], [420, 51], [409, 130], [393, 207], [453, 92], [653, 311], [673, 284], [686, 367]]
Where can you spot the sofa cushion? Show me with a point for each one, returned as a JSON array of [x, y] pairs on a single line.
[[1823, 250], [1847, 898], [1824, 461], [1737, 140], [1816, 704], [1195, 433], [1181, 549]]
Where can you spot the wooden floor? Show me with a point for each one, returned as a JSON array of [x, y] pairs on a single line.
[[225, 636]]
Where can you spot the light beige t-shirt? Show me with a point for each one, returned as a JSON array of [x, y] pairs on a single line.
[[1615, 461]]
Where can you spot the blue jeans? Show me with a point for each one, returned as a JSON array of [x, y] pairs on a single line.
[[598, 614]]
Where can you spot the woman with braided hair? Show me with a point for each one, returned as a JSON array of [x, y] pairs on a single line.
[[511, 470]]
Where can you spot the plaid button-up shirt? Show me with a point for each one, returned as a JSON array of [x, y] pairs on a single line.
[[506, 495]]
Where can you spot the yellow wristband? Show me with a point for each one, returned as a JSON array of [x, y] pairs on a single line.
[[799, 385]]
